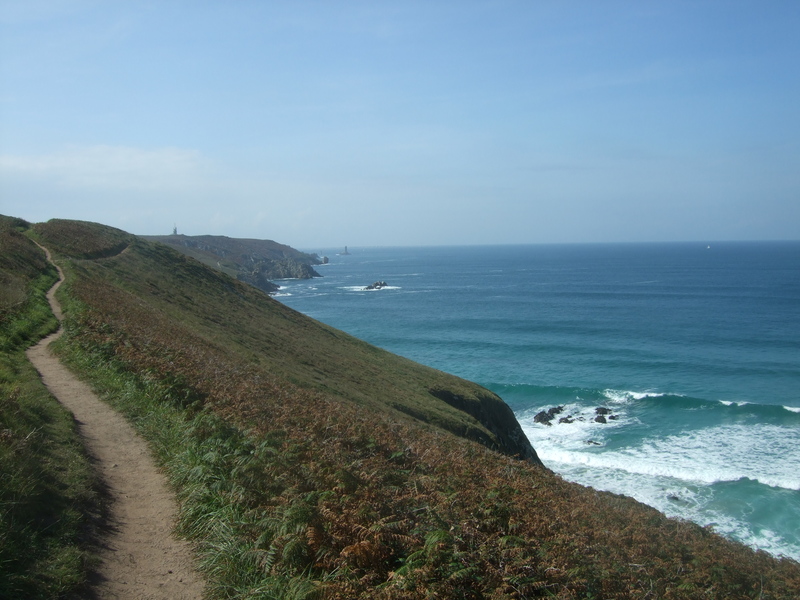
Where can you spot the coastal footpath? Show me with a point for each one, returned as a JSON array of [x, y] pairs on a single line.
[[139, 557]]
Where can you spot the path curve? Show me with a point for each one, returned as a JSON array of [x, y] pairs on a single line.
[[140, 558]]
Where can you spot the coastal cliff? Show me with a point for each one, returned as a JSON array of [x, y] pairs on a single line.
[[310, 461], [288, 345]]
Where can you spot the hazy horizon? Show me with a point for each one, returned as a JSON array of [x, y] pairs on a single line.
[[700, 244], [407, 124]]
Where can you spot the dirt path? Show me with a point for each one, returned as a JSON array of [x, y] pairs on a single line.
[[140, 558]]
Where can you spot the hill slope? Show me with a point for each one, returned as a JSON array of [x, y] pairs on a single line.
[[176, 304], [310, 464]]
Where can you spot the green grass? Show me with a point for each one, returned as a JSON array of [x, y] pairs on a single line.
[[47, 488], [208, 462]]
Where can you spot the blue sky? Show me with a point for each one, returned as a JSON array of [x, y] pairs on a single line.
[[320, 124]]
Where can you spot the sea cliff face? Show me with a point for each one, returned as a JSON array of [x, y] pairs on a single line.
[[494, 414]]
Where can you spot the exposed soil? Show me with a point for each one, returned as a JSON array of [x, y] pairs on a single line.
[[140, 557]]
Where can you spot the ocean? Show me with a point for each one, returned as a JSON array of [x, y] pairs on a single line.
[[691, 351]]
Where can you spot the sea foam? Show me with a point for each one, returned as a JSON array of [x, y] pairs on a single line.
[[624, 396], [362, 288], [698, 503], [768, 454]]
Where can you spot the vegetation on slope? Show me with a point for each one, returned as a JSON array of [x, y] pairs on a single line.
[[46, 483], [309, 464], [166, 311]]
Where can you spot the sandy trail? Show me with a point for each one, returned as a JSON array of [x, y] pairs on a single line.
[[140, 558]]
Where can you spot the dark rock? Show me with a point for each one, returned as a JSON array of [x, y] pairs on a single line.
[[602, 410], [376, 286], [593, 443], [497, 417], [612, 417], [546, 416], [566, 420], [261, 273], [259, 280], [600, 419]]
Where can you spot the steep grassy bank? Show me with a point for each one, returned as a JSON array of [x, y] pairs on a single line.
[[46, 483], [309, 464]]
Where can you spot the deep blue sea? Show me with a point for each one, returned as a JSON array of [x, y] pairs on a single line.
[[694, 348]]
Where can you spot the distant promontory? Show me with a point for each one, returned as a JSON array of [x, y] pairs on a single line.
[[257, 262]]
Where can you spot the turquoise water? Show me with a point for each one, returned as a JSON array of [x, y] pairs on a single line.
[[695, 350]]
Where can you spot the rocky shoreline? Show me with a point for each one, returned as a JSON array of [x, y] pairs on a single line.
[[545, 417]]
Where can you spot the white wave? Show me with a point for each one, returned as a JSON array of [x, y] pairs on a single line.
[[583, 431], [734, 402], [281, 294], [625, 396], [794, 409], [678, 499], [362, 288], [768, 454]]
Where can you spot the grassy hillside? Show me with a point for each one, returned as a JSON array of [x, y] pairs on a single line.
[[309, 464], [47, 488], [167, 305]]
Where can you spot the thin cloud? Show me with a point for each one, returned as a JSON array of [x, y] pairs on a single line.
[[112, 167]]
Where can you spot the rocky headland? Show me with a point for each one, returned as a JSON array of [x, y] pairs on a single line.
[[257, 262]]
